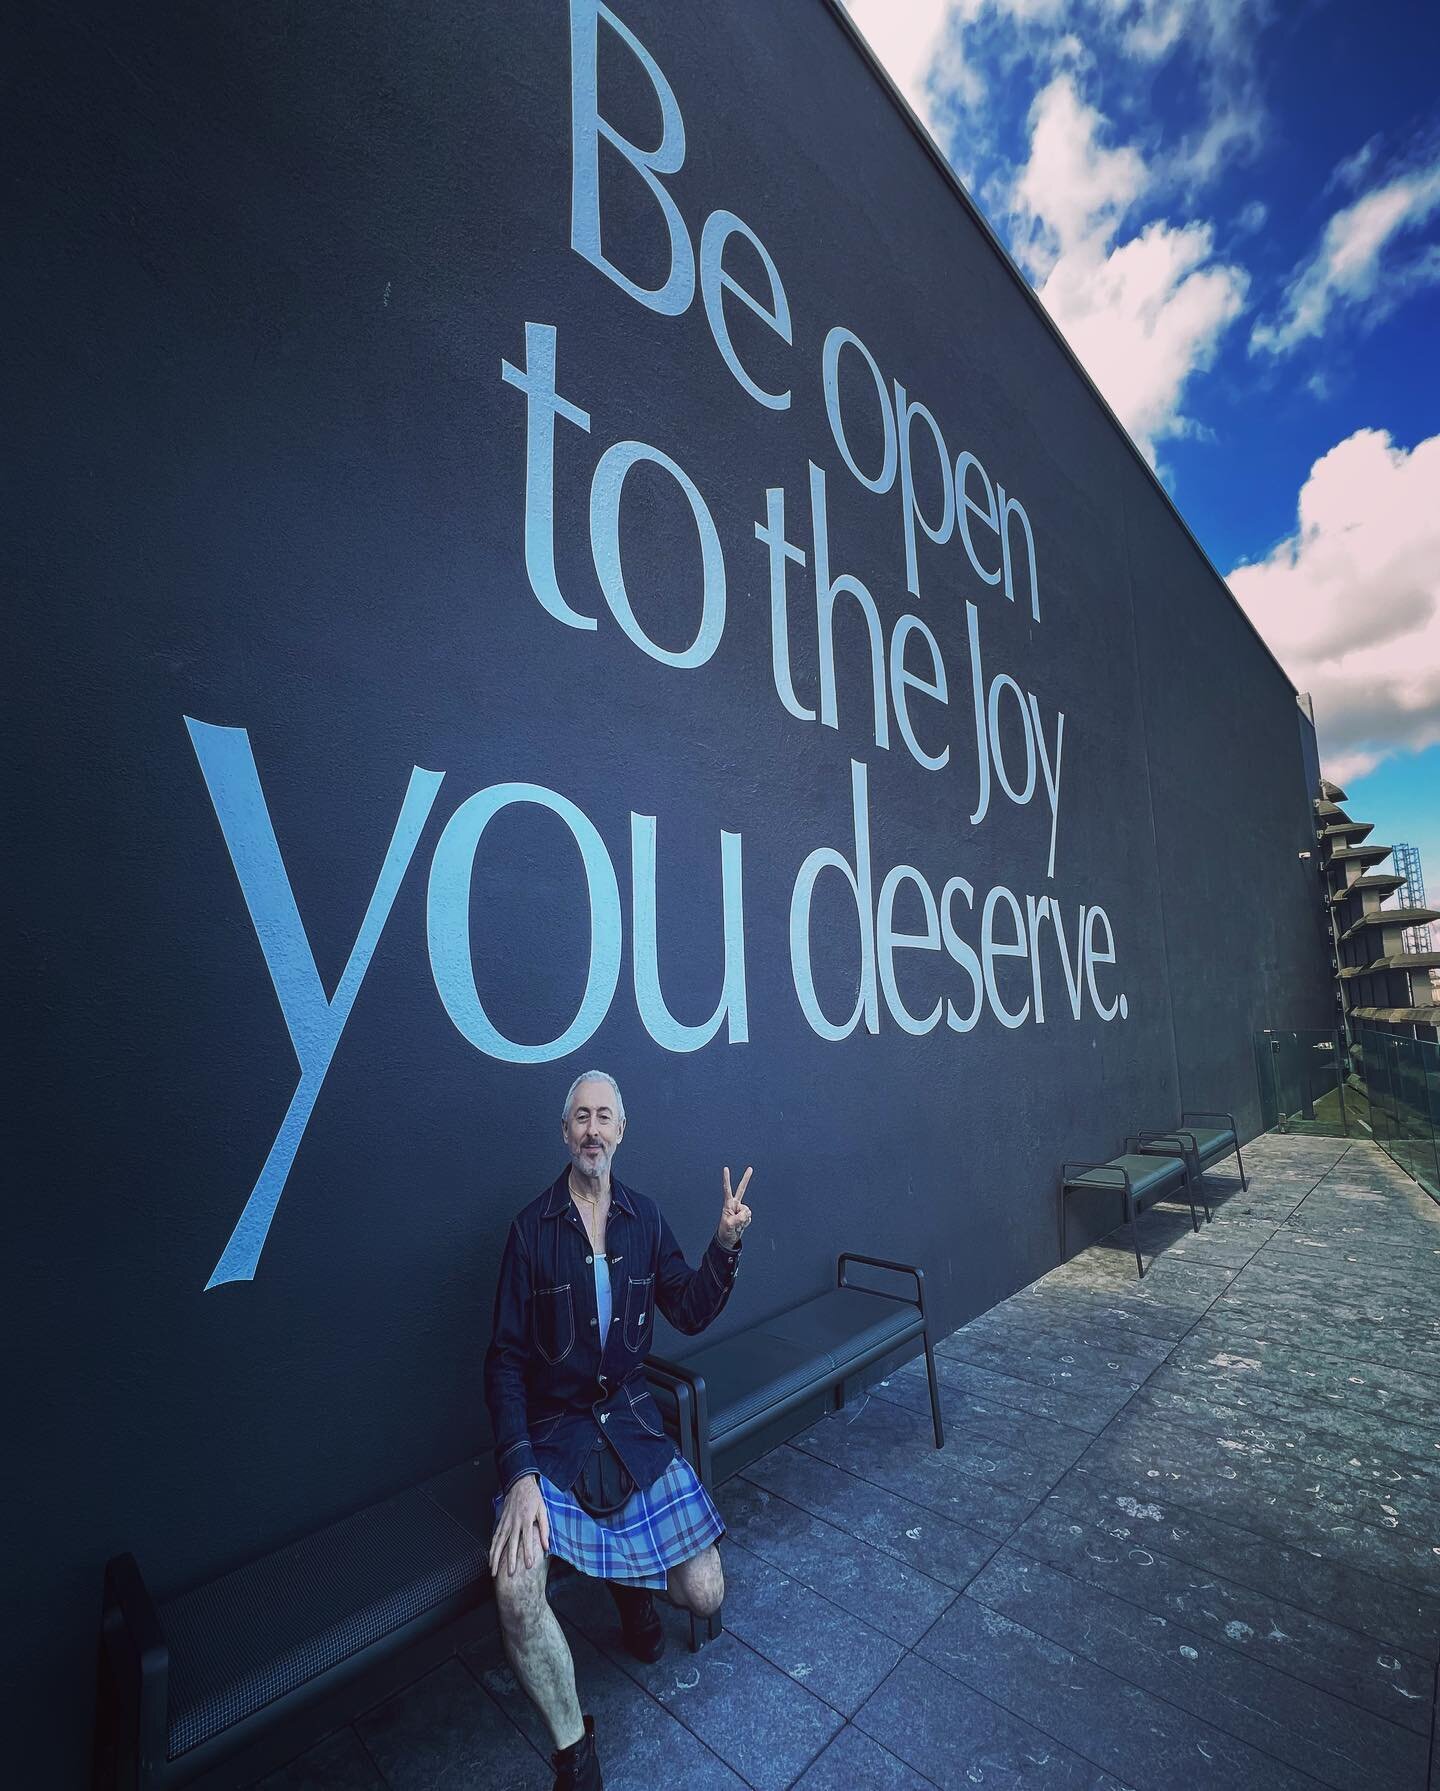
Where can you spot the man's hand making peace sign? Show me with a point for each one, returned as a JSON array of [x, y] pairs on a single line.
[[734, 1214]]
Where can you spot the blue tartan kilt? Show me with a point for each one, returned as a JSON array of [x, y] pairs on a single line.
[[657, 1528]]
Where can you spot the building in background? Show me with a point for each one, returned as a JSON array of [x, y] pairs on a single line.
[[1380, 927]]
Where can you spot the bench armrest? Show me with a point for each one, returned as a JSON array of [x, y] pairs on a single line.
[[879, 1262], [693, 1403], [1069, 1171], [137, 1654], [1163, 1132], [676, 1391], [1200, 1113]]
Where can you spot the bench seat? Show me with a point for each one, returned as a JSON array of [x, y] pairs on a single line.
[[1139, 1178], [787, 1359], [727, 1393], [1151, 1177], [1201, 1139], [191, 1680]]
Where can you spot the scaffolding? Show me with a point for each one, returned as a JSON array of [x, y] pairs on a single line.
[[1411, 894]]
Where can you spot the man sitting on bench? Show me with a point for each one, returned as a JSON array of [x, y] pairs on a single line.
[[586, 1470]]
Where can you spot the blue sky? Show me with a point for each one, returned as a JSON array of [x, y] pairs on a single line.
[[1232, 210]]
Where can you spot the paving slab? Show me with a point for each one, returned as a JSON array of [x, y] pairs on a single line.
[[958, 1739], [1272, 1631], [972, 1479], [1311, 1729], [1325, 1583], [446, 1728], [339, 1763], [853, 1762], [869, 1583], [1053, 1446], [1062, 1403], [1102, 1716], [784, 1726], [640, 1744], [828, 1650], [944, 1550]]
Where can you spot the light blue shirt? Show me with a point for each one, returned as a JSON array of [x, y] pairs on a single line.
[[602, 1294]]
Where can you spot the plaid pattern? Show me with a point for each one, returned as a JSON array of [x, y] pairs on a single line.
[[657, 1528]]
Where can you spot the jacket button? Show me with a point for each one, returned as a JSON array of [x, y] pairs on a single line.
[[589, 1259], [604, 1417], [593, 1323]]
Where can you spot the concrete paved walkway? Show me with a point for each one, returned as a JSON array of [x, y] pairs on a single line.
[[1185, 1532]]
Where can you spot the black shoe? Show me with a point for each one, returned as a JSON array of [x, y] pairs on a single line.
[[639, 1621], [577, 1768]]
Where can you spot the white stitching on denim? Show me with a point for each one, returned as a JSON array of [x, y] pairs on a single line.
[[629, 1394], [647, 1282], [564, 1288]]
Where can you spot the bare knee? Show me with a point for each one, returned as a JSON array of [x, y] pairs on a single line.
[[699, 1584], [520, 1596]]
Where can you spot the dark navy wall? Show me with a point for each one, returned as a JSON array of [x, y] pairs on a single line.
[[265, 268]]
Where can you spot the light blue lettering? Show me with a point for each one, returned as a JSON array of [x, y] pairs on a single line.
[[605, 490], [901, 679], [447, 923], [542, 405], [655, 1015], [963, 955], [859, 879], [888, 942], [314, 1022], [826, 591], [837, 339], [906, 412], [587, 127], [992, 948], [720, 226]]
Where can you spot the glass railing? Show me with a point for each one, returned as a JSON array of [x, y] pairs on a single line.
[[1402, 1079], [1383, 1087], [1306, 1085]]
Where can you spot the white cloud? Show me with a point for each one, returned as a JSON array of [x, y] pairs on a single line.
[[1350, 603], [1357, 263], [1144, 314], [922, 52], [1073, 189]]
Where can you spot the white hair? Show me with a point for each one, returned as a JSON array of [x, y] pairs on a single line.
[[594, 1076]]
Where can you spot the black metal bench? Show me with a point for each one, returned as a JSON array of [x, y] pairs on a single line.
[[1200, 1141], [740, 1389], [1139, 1179], [186, 1683]]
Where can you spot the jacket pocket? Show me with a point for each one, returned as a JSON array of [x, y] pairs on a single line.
[[647, 1413], [638, 1311], [553, 1321], [544, 1428]]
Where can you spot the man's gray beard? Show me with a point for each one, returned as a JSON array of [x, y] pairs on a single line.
[[587, 1174]]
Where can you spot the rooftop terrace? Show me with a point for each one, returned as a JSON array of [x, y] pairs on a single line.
[[1185, 1532]]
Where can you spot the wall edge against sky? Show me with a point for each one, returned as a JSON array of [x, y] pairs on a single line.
[[838, 10]]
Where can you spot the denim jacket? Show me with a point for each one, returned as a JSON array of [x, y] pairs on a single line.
[[550, 1380]]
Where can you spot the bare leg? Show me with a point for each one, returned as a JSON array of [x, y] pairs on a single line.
[[698, 1584], [537, 1650]]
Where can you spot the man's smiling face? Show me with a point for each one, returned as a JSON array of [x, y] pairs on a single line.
[[592, 1132]]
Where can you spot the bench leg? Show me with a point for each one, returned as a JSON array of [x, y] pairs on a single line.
[[1134, 1229], [1240, 1165], [1062, 1221], [1190, 1196], [935, 1390], [713, 1626], [1204, 1197]]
